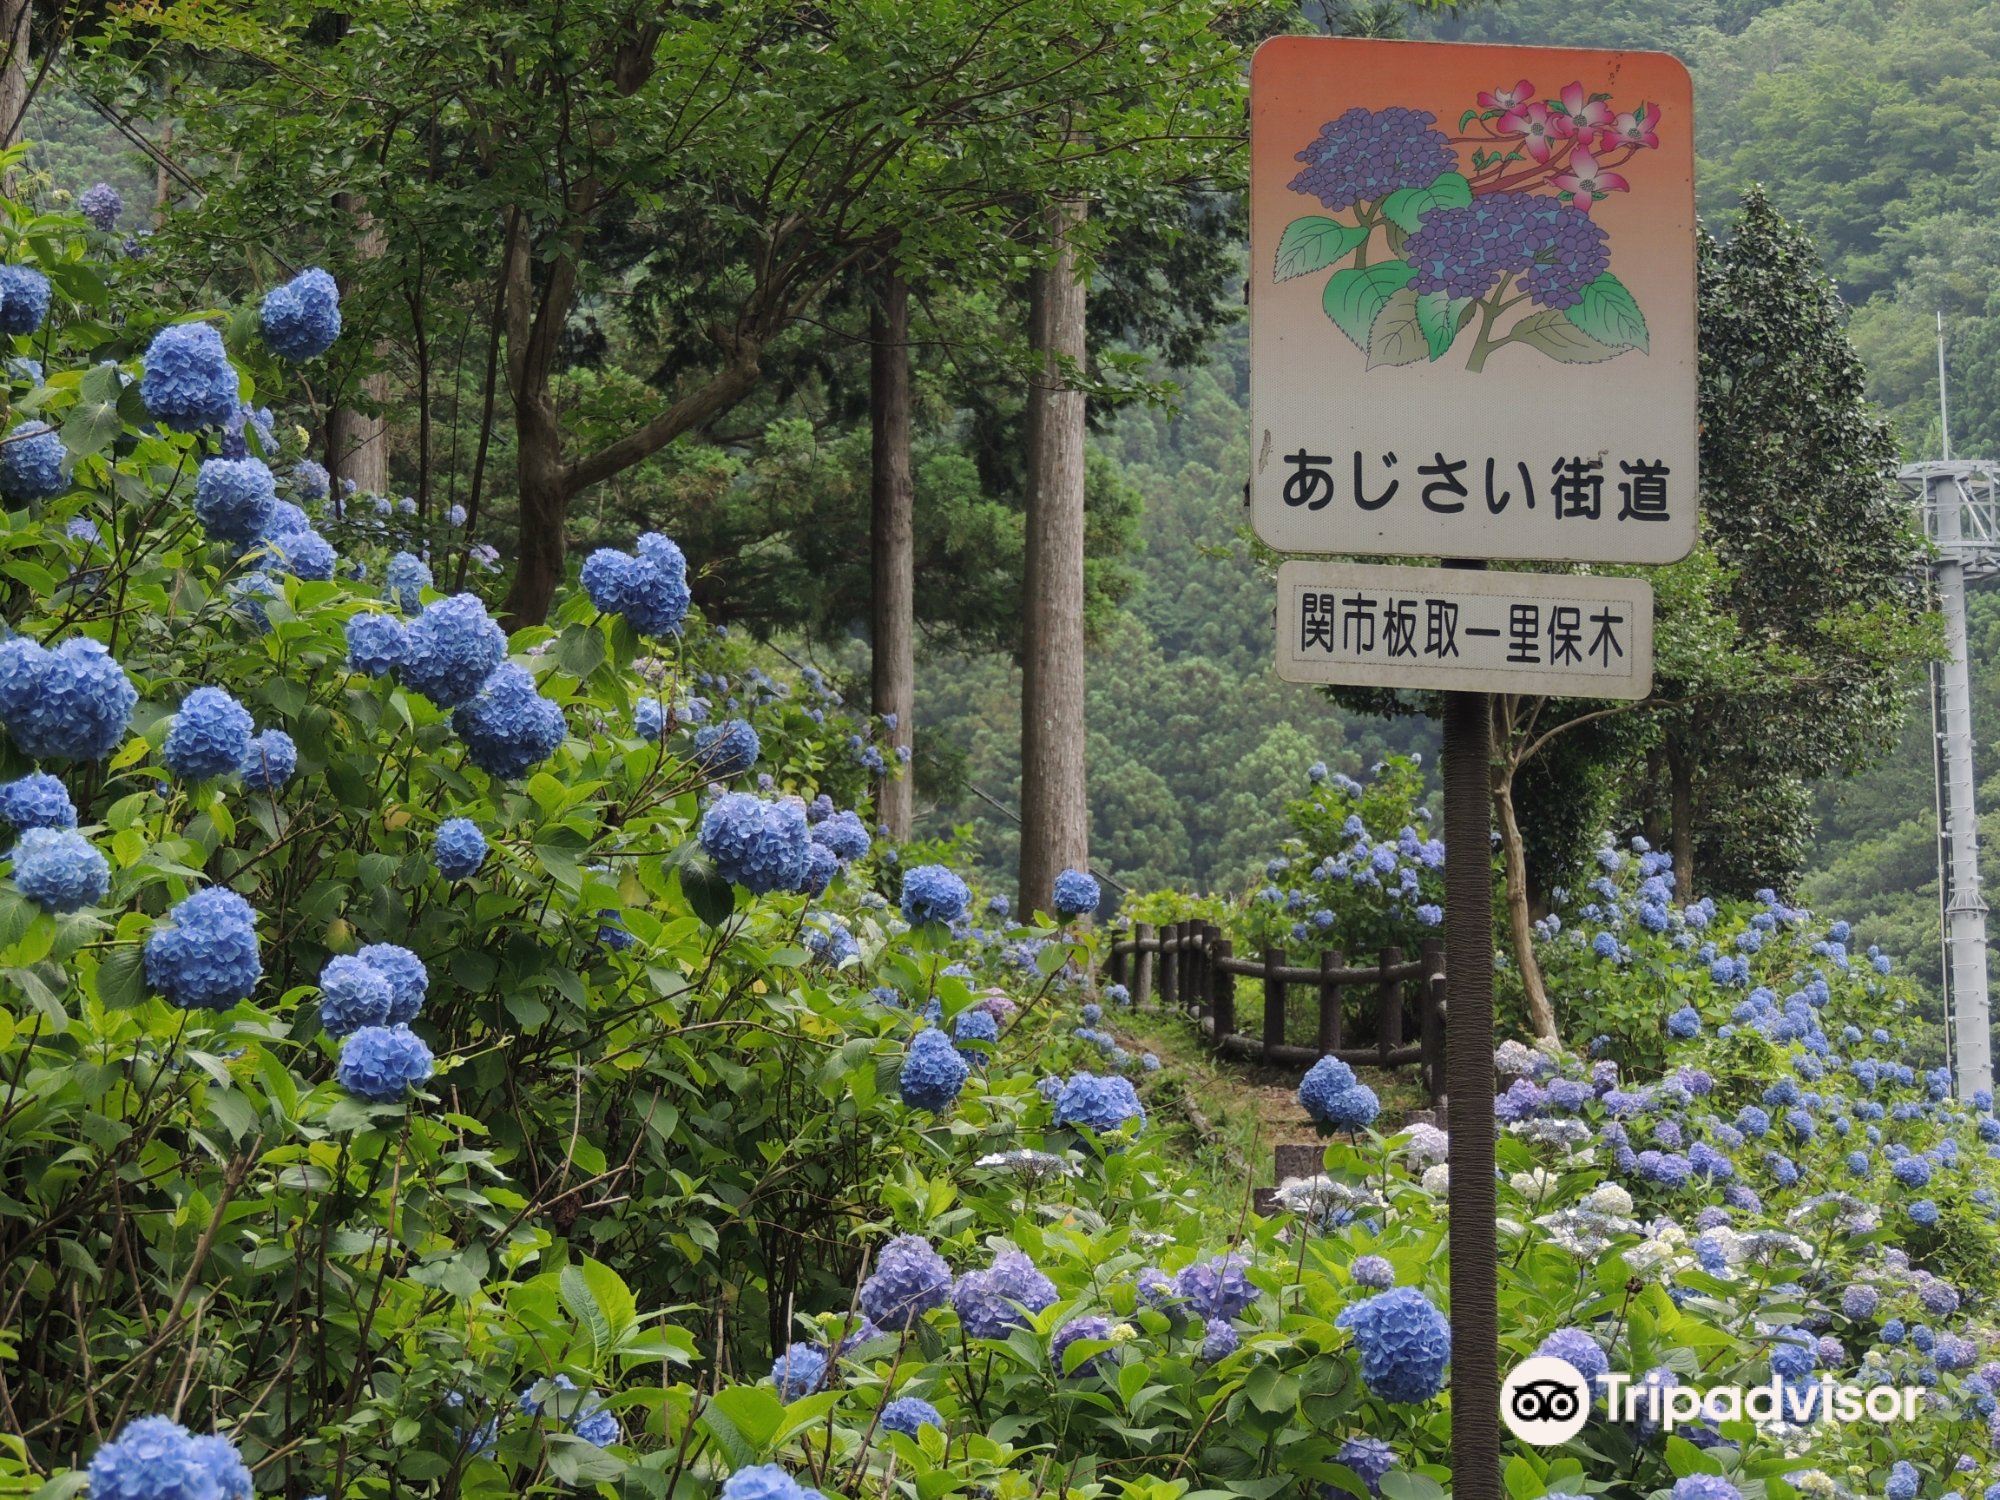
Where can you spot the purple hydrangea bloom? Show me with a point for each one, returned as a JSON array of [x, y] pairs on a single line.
[[233, 498], [376, 643], [509, 728], [451, 649], [1078, 1328], [1554, 249], [1373, 1271], [204, 954], [758, 845], [208, 737], [269, 761], [302, 317], [31, 462], [932, 894], [1219, 1340], [101, 204], [24, 299], [994, 1302], [1368, 154], [36, 800], [1370, 1458], [189, 383], [1404, 1342], [59, 870], [1217, 1287], [910, 1279]]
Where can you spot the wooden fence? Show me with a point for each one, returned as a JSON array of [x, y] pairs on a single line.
[[1398, 1020]]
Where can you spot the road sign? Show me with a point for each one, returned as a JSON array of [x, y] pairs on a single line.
[[1472, 308], [1558, 635]]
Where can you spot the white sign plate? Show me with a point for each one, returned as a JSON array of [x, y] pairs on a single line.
[[1456, 630], [1472, 301]]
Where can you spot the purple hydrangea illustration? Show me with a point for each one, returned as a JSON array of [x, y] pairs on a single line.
[[1554, 249], [1368, 154]]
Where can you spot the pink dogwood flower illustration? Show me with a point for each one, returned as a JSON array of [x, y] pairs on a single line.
[[1539, 128], [1512, 98], [1586, 115], [1586, 181], [1637, 128]]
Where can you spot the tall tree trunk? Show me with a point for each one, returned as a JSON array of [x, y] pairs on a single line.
[[163, 181], [538, 570], [17, 19], [1520, 920], [1055, 808], [358, 441], [1680, 770], [1653, 818], [892, 539]]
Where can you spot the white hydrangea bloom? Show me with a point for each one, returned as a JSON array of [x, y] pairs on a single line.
[[1425, 1143], [1437, 1180], [1610, 1199]]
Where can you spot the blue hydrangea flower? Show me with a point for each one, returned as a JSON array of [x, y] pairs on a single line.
[[1219, 1340], [233, 498], [209, 736], [36, 800], [1092, 1328], [1903, 1481], [910, 1279], [269, 761], [977, 1027], [285, 518], [931, 893], [31, 462], [1103, 1104], [310, 481], [204, 954], [649, 718], [58, 870], [1076, 894], [656, 593], [726, 750], [1335, 1100], [1217, 1287], [351, 995], [304, 554], [933, 1071], [404, 973], [376, 643], [302, 317], [799, 1371], [101, 204], [762, 1482], [451, 649], [607, 574], [152, 1458], [844, 834], [459, 849], [1704, 1487], [405, 581], [906, 1414], [24, 299], [994, 1302], [596, 1426], [382, 1063], [758, 845], [247, 595], [1404, 1342], [1369, 1458], [821, 867], [509, 728], [72, 703], [1579, 1351], [189, 383], [1684, 1023], [225, 1466]]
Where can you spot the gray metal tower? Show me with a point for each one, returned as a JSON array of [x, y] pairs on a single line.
[[1961, 510]]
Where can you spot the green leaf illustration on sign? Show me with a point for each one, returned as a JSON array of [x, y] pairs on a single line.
[[1556, 336], [1398, 338], [1407, 206], [1610, 314], [1355, 298], [1314, 243], [1440, 317]]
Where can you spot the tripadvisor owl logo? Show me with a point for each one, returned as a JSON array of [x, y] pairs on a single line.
[[1545, 1401]]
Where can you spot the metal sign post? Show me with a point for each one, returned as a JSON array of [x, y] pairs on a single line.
[[1472, 336]]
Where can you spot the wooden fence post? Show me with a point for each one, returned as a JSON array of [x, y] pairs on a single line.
[[1170, 965], [1433, 1015], [1142, 964], [1274, 1001], [1221, 992], [1330, 1004], [1115, 963], [1389, 1006], [1196, 988]]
